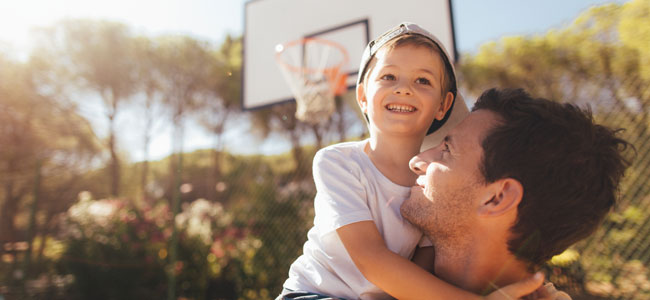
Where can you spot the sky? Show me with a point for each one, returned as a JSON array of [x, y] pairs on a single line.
[[480, 21], [475, 22]]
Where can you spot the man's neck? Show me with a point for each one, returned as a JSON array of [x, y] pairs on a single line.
[[477, 264]]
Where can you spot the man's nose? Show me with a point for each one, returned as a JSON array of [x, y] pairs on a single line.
[[418, 165]]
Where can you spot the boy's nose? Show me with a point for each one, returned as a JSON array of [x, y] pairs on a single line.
[[418, 165], [402, 89]]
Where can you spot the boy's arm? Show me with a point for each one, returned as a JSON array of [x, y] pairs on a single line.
[[402, 278], [390, 272]]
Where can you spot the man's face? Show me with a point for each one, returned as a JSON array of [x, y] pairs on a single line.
[[446, 198]]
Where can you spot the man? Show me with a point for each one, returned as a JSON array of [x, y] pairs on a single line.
[[517, 182]]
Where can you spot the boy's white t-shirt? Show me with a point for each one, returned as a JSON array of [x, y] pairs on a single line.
[[350, 189]]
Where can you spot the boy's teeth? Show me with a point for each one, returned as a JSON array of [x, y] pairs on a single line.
[[400, 108]]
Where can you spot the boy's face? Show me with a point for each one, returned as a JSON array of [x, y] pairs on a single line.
[[402, 93]]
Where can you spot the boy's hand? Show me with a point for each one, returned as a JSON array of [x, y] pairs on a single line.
[[521, 289]]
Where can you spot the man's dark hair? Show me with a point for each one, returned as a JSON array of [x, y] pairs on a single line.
[[569, 166]]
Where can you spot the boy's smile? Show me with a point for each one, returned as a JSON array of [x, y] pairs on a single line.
[[400, 108], [403, 91]]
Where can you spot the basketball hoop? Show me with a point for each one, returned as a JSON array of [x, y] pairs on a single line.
[[312, 68]]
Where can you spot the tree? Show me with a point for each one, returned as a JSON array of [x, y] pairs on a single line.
[[46, 148], [281, 118], [221, 96], [597, 60], [19, 143], [99, 57], [184, 71], [149, 84]]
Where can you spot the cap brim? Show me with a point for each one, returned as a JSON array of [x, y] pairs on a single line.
[[458, 112]]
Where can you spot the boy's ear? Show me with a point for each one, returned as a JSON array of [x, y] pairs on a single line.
[[445, 105], [503, 196], [361, 98]]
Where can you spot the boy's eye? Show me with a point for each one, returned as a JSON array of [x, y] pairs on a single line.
[[388, 77], [423, 80]]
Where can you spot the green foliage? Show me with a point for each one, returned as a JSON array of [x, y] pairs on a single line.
[[280, 216], [116, 250], [263, 201], [97, 56], [39, 130]]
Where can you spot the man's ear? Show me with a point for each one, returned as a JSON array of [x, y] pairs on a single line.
[[361, 98], [445, 105], [505, 195]]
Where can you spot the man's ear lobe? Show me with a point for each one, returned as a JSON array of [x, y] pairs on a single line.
[[445, 105], [361, 98], [506, 194]]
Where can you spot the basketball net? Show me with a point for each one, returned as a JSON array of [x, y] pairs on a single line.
[[311, 67]]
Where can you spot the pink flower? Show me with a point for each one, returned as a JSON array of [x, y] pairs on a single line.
[[217, 249]]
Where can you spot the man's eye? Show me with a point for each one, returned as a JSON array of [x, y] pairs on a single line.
[[445, 147], [423, 80], [388, 77]]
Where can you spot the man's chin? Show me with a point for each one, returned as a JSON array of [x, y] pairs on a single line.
[[411, 207], [416, 192]]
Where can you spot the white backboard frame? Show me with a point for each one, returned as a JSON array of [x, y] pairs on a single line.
[[352, 23]]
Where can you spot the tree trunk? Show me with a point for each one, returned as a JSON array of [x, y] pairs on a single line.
[[31, 228], [215, 174], [318, 135], [296, 150], [176, 200], [114, 164], [341, 121], [44, 232], [145, 147], [9, 209]]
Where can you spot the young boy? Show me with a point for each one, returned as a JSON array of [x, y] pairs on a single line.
[[359, 246]]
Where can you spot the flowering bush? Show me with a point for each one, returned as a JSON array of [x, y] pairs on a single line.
[[118, 250]]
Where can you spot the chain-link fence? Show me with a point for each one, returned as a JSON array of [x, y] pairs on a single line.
[[613, 262]]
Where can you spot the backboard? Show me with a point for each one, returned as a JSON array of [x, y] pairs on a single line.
[[350, 23]]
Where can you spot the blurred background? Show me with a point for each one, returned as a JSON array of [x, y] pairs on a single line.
[[128, 169]]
